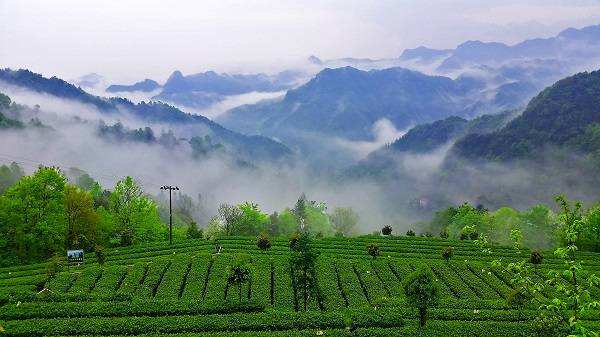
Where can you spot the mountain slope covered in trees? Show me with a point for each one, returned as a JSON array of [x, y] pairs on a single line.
[[565, 114], [255, 147], [346, 102]]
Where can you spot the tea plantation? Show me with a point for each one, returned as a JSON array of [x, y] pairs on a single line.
[[182, 290]]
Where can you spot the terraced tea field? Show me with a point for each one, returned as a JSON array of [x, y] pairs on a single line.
[[179, 290]]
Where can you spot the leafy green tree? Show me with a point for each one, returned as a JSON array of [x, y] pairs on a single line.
[[421, 291], [500, 223], [32, 215], [9, 175], [303, 270], [86, 182], [239, 273], [135, 214], [591, 228], [82, 219], [193, 232], [538, 227], [215, 228], [344, 220], [466, 215], [230, 215], [251, 220], [287, 223]]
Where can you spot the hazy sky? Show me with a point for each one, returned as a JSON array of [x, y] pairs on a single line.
[[127, 40]]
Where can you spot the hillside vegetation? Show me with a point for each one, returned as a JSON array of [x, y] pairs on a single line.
[[160, 289]]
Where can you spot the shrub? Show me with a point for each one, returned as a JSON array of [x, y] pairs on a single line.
[[428, 234], [100, 256], [422, 292], [294, 241], [193, 232], [263, 242], [55, 265], [386, 230], [517, 297], [373, 250], [536, 257], [410, 232], [447, 253], [444, 233]]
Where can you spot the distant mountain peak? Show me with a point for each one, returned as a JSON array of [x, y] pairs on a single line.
[[315, 60]]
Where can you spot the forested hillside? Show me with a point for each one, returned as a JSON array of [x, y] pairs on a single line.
[[566, 114]]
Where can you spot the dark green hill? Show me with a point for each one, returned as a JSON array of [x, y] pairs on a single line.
[[249, 147], [567, 114]]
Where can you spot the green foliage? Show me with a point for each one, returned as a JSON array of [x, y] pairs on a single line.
[[263, 242], [203, 146], [591, 229], [344, 221], [373, 250], [239, 273], [251, 221], [536, 257], [56, 265], [193, 232], [33, 220], [410, 232], [82, 219], [386, 230], [100, 255], [421, 291], [303, 270], [560, 115], [447, 253], [134, 214], [9, 175]]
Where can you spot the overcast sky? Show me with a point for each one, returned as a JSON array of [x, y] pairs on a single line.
[[128, 40]]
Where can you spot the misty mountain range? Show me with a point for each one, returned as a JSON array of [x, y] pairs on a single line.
[[479, 115], [247, 147]]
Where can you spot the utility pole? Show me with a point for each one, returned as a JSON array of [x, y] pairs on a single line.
[[170, 188]]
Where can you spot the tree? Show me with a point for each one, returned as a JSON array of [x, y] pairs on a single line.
[[100, 256], [32, 216], [447, 253], [239, 273], [373, 250], [386, 230], [263, 242], [536, 257], [344, 220], [410, 232], [134, 213], [9, 175], [230, 216], [193, 232], [302, 269], [251, 220], [591, 228], [300, 211], [82, 219], [421, 291]]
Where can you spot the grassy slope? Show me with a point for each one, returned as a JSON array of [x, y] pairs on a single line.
[[180, 289]]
